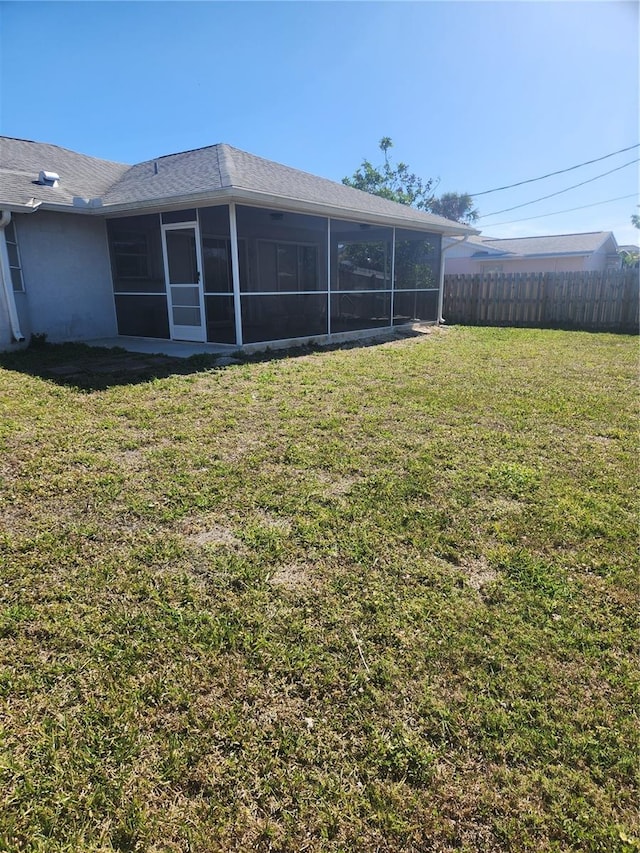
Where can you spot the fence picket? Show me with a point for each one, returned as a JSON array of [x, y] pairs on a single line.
[[577, 300]]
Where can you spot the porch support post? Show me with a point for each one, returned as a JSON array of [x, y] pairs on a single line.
[[235, 271], [393, 272], [328, 275]]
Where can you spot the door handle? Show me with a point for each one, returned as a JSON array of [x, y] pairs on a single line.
[[198, 276]]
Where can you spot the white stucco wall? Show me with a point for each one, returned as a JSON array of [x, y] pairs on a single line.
[[67, 276]]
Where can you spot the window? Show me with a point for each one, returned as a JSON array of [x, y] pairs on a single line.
[[131, 252], [287, 267], [14, 258]]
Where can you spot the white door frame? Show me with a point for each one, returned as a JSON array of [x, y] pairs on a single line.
[[185, 333]]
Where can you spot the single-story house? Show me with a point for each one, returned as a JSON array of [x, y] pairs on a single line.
[[210, 245], [595, 251]]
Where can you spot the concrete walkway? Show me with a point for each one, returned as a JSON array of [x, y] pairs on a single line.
[[157, 346]]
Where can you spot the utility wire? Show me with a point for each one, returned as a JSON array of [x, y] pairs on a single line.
[[568, 210], [551, 195], [559, 172]]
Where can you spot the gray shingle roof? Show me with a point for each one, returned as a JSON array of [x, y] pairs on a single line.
[[80, 176], [558, 244], [174, 178]]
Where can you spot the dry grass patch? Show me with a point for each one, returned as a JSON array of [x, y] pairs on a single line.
[[295, 576]]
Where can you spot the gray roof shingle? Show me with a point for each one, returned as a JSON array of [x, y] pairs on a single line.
[[554, 244], [203, 172], [81, 176]]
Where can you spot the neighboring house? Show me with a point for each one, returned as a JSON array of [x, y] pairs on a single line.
[[207, 245], [630, 256], [596, 251]]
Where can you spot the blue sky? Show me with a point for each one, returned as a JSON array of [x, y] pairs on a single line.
[[477, 94]]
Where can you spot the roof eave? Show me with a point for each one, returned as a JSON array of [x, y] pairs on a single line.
[[239, 194]]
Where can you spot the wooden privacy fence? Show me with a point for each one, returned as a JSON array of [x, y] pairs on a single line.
[[607, 301]]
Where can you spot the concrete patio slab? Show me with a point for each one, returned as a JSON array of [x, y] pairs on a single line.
[[157, 346]]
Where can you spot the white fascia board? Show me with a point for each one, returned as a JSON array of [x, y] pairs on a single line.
[[251, 197], [19, 208]]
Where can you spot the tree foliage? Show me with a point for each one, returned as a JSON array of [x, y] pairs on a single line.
[[398, 183], [456, 206]]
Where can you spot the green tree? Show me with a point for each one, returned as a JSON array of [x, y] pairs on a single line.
[[399, 183], [635, 219], [395, 183], [456, 206]]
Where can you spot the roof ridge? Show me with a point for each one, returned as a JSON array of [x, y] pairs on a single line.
[[178, 153], [62, 148], [543, 236], [226, 164]]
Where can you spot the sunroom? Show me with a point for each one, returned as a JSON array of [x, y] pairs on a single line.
[[241, 274]]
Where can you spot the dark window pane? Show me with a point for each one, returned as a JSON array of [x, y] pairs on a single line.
[[286, 267], [360, 256], [351, 311], [417, 264], [309, 269], [220, 319], [267, 266], [272, 318], [136, 254], [10, 232], [181, 256], [186, 296], [411, 306], [283, 252], [364, 266], [12, 251], [179, 216], [16, 279], [214, 221], [131, 255], [142, 316], [217, 265], [186, 316]]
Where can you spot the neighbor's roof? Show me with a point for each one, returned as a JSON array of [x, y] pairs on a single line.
[[215, 173], [557, 244]]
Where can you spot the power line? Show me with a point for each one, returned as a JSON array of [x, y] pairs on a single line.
[[560, 192], [568, 210], [559, 172]]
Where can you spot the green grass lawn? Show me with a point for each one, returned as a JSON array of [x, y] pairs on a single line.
[[369, 599]]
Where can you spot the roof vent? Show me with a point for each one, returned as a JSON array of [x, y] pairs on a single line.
[[48, 179]]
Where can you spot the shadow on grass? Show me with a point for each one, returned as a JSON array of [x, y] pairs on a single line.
[[87, 368]]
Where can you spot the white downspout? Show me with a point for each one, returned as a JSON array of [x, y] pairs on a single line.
[[441, 284], [5, 274]]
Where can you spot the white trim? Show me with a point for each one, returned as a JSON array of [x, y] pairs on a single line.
[[5, 274], [284, 292], [372, 290], [178, 332], [328, 275], [17, 248], [393, 271], [254, 198], [235, 271], [139, 292]]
